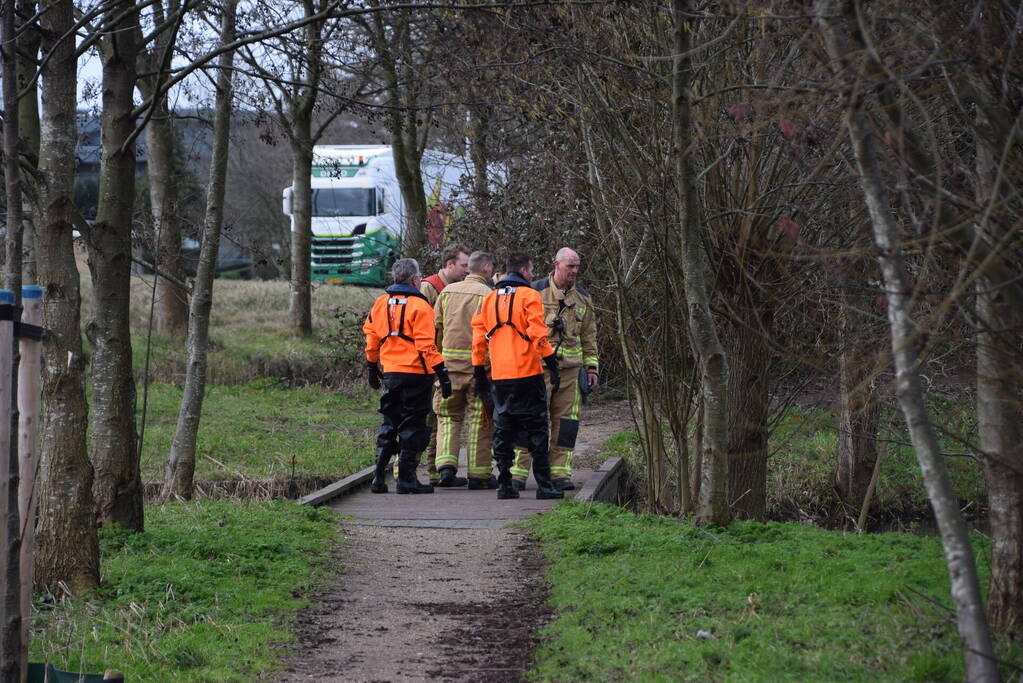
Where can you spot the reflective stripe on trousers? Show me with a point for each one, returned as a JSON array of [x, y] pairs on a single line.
[[564, 408]]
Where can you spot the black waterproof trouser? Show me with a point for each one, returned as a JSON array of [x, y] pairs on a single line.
[[405, 403], [520, 419]]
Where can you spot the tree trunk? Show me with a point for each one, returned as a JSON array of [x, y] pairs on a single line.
[[748, 406], [28, 130], [999, 356], [171, 298], [713, 504], [117, 486], [67, 547], [180, 470], [300, 308], [479, 153], [10, 526], [302, 139], [858, 409], [973, 629]]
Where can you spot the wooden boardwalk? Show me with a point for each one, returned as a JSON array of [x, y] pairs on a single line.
[[445, 508]]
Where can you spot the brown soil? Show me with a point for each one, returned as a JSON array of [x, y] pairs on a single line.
[[425, 604]]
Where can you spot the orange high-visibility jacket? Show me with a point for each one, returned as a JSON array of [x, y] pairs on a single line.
[[509, 323], [399, 332]]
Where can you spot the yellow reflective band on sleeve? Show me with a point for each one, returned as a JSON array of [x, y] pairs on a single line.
[[456, 353]]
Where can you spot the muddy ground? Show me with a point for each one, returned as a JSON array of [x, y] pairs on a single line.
[[414, 604]]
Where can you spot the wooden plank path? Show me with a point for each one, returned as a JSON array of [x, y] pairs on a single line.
[[445, 508]]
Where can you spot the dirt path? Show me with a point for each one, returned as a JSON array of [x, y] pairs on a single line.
[[451, 604]]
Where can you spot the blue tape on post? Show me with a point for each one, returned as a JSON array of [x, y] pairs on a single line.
[[6, 296], [31, 292]]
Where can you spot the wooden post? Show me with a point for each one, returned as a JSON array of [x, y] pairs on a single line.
[[9, 627], [28, 454]]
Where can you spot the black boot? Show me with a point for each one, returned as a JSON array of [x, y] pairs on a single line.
[[380, 474], [407, 480], [449, 478], [505, 490], [545, 489], [476, 484]]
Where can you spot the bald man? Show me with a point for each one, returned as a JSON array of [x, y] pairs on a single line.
[[572, 331]]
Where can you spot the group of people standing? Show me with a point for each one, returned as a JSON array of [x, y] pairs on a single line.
[[512, 358]]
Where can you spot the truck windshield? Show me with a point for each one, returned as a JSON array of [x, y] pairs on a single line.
[[332, 202]]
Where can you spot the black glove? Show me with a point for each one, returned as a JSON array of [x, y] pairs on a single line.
[[552, 367], [374, 374], [482, 385], [442, 377]]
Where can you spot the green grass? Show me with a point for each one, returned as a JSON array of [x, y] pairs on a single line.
[[264, 430], [204, 594], [250, 334], [781, 601], [803, 458]]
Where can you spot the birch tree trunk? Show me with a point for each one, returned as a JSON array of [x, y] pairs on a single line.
[[10, 531], [117, 485], [180, 470], [67, 547], [955, 539], [712, 507]]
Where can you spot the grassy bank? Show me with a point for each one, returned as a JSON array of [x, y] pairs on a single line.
[[250, 338], [266, 430], [801, 470], [647, 598], [206, 593]]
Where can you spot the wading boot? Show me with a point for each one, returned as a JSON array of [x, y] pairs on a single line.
[[505, 492], [544, 486], [407, 480], [448, 478], [380, 474]]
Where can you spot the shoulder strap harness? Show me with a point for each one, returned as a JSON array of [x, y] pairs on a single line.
[[510, 293], [400, 332]]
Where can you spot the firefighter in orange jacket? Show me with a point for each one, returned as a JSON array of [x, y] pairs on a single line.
[[400, 337], [510, 325]]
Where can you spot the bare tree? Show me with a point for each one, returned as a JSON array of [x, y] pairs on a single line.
[[171, 298], [67, 545], [117, 486], [10, 533], [180, 469], [973, 629]]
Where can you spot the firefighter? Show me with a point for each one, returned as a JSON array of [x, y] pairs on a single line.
[[454, 260], [453, 320], [509, 324], [569, 316], [400, 337]]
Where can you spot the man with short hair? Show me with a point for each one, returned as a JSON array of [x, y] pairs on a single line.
[[509, 325], [454, 262], [569, 316], [400, 337], [454, 266], [453, 314]]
